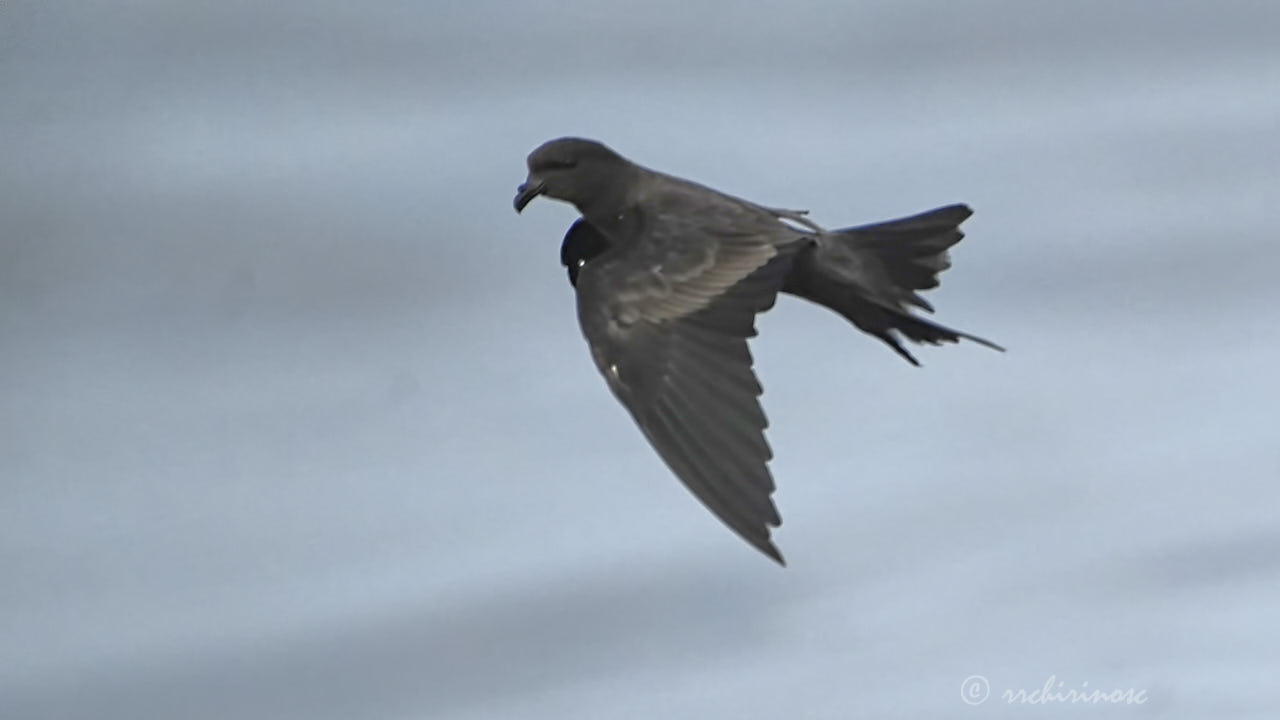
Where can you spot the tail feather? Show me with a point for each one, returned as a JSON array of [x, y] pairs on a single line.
[[878, 321], [870, 274], [909, 252]]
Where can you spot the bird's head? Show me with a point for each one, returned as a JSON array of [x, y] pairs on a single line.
[[574, 170]]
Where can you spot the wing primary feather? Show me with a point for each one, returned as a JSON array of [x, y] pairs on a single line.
[[755, 511], [739, 446]]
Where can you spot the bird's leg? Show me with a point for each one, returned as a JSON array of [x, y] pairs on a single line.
[[797, 216]]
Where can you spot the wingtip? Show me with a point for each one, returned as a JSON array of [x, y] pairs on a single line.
[[771, 550], [983, 342]]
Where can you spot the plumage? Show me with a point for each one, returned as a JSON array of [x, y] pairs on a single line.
[[670, 276]]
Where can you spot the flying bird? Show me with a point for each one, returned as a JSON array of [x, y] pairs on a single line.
[[670, 276]]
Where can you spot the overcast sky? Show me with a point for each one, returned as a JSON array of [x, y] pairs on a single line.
[[296, 421]]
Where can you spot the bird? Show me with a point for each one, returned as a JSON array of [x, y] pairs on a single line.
[[670, 275]]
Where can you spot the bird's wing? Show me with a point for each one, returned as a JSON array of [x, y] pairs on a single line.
[[582, 244], [667, 319]]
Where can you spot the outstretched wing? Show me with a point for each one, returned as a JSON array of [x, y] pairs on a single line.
[[582, 244], [667, 320]]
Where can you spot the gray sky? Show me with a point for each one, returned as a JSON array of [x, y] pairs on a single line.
[[297, 421]]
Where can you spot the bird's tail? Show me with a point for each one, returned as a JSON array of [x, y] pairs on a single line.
[[870, 274]]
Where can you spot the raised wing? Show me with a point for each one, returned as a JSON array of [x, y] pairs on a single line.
[[667, 320], [582, 244]]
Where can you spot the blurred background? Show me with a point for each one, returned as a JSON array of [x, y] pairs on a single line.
[[296, 421]]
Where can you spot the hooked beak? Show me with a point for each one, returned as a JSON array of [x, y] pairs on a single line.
[[527, 191]]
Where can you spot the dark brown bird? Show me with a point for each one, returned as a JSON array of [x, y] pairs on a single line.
[[670, 276]]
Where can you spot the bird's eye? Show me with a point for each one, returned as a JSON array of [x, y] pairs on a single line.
[[556, 164]]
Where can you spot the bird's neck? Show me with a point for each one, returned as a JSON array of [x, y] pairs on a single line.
[[613, 220], [611, 209]]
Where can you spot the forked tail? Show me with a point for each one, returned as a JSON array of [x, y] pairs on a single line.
[[871, 275]]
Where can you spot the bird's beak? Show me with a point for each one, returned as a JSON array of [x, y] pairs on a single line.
[[528, 190]]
